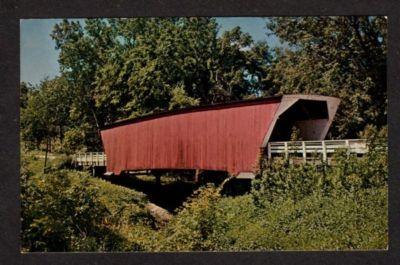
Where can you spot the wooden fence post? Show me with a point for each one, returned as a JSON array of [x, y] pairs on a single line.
[[286, 151], [196, 176], [269, 151], [348, 148], [303, 145], [324, 154]]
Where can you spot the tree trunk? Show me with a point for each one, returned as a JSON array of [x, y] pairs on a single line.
[[96, 121], [161, 215], [45, 156]]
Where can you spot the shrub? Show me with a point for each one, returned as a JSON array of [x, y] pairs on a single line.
[[194, 223], [59, 214], [290, 207], [61, 162], [313, 223], [66, 210], [347, 174], [73, 140]]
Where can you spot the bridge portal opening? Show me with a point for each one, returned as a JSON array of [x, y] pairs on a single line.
[[309, 117]]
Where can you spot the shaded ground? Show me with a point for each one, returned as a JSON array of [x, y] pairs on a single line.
[[174, 191], [169, 195]]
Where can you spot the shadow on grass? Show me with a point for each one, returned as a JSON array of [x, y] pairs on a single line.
[[175, 189], [169, 195]]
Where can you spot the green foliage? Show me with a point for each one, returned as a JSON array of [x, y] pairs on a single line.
[[61, 162], [45, 111], [295, 135], [65, 210], [120, 68], [74, 139], [180, 99], [376, 137], [343, 56], [348, 174], [292, 207], [312, 223], [25, 89], [60, 216], [193, 227]]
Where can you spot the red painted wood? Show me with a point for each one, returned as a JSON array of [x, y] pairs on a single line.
[[223, 138]]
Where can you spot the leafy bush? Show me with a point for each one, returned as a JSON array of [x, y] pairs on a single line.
[[58, 215], [291, 207], [61, 162], [348, 174], [66, 210], [194, 224], [353, 221], [313, 223], [73, 140]]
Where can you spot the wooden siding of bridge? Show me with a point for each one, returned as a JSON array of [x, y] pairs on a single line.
[[223, 139]]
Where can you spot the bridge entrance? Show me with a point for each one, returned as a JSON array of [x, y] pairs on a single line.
[[309, 117]]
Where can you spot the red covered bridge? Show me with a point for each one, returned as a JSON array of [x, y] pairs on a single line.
[[223, 137]]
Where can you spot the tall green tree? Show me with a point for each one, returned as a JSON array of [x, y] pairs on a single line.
[[25, 89], [336, 56], [120, 68], [45, 116], [82, 52]]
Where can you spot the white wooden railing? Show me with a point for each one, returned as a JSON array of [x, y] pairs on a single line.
[[90, 159], [324, 148]]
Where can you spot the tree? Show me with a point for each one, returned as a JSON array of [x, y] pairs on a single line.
[[239, 70], [120, 68], [335, 56], [180, 99], [80, 56], [25, 89], [46, 114]]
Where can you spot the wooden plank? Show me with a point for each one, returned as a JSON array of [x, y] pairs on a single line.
[[324, 154], [286, 151], [269, 150]]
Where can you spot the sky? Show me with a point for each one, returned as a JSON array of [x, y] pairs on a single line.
[[39, 56]]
